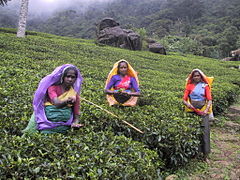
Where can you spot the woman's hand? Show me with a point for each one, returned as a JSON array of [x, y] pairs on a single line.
[[205, 112], [124, 93], [76, 125], [71, 100], [190, 106]]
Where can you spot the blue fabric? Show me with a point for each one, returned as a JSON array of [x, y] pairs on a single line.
[[198, 94], [125, 90], [57, 115], [116, 79]]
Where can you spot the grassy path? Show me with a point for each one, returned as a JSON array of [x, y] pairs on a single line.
[[224, 161]]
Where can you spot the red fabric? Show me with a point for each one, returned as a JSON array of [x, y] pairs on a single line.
[[190, 88], [124, 84], [55, 91]]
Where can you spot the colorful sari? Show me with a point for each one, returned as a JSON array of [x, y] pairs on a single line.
[[198, 93], [122, 86], [198, 98], [46, 117]]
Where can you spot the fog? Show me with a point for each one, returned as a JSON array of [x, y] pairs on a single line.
[[48, 7]]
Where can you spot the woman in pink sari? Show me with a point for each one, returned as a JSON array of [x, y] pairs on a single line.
[[122, 85]]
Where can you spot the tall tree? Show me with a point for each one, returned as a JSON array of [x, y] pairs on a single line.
[[22, 18], [3, 2]]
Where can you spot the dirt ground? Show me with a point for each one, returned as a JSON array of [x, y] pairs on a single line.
[[224, 160]]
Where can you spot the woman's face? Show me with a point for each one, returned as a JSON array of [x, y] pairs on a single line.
[[196, 77], [70, 78], [123, 68]]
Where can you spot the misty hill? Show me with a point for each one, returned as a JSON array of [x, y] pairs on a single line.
[[105, 147], [213, 25]]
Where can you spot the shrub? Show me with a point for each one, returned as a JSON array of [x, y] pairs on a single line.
[[168, 131], [87, 155], [182, 44]]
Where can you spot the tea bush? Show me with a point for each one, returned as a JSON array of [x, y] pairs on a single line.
[[170, 132], [87, 156]]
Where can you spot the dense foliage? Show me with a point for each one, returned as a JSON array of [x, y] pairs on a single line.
[[213, 25], [105, 147]]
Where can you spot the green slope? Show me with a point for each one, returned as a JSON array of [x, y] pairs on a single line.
[[167, 129]]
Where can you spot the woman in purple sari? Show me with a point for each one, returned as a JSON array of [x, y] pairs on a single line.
[[56, 101]]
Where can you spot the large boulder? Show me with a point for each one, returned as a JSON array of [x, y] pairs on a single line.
[[157, 48], [109, 32]]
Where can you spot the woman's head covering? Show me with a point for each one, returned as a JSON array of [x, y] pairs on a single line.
[[114, 71], [40, 94], [207, 80]]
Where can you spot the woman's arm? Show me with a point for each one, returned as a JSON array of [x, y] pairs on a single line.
[[208, 94], [209, 103], [185, 98], [60, 104], [133, 93], [135, 87], [107, 91], [54, 92], [188, 104], [109, 86], [76, 111]]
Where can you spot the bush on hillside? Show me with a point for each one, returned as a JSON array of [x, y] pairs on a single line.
[[168, 131], [83, 154], [182, 44]]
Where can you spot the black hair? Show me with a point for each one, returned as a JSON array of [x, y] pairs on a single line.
[[68, 69], [193, 74]]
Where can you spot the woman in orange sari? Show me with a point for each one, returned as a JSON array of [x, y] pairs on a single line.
[[122, 85], [198, 99]]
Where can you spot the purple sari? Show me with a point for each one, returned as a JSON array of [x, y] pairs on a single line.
[[40, 94]]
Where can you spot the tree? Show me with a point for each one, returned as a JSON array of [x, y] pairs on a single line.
[[3, 2], [22, 18]]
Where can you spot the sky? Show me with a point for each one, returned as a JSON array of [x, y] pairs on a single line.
[[47, 7]]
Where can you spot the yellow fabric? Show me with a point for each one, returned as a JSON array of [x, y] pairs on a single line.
[[209, 81], [70, 93], [131, 72]]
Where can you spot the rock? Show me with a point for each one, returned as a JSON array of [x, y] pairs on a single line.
[[237, 172], [149, 41], [171, 177], [107, 22], [109, 32], [233, 125], [157, 48], [233, 175], [217, 176], [230, 59]]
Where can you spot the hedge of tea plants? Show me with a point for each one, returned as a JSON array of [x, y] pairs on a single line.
[[168, 132], [86, 155]]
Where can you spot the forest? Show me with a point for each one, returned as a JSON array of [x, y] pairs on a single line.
[[208, 28]]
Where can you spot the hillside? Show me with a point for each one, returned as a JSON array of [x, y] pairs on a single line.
[[105, 147], [212, 26]]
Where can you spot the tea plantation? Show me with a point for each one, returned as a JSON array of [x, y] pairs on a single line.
[[105, 148]]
